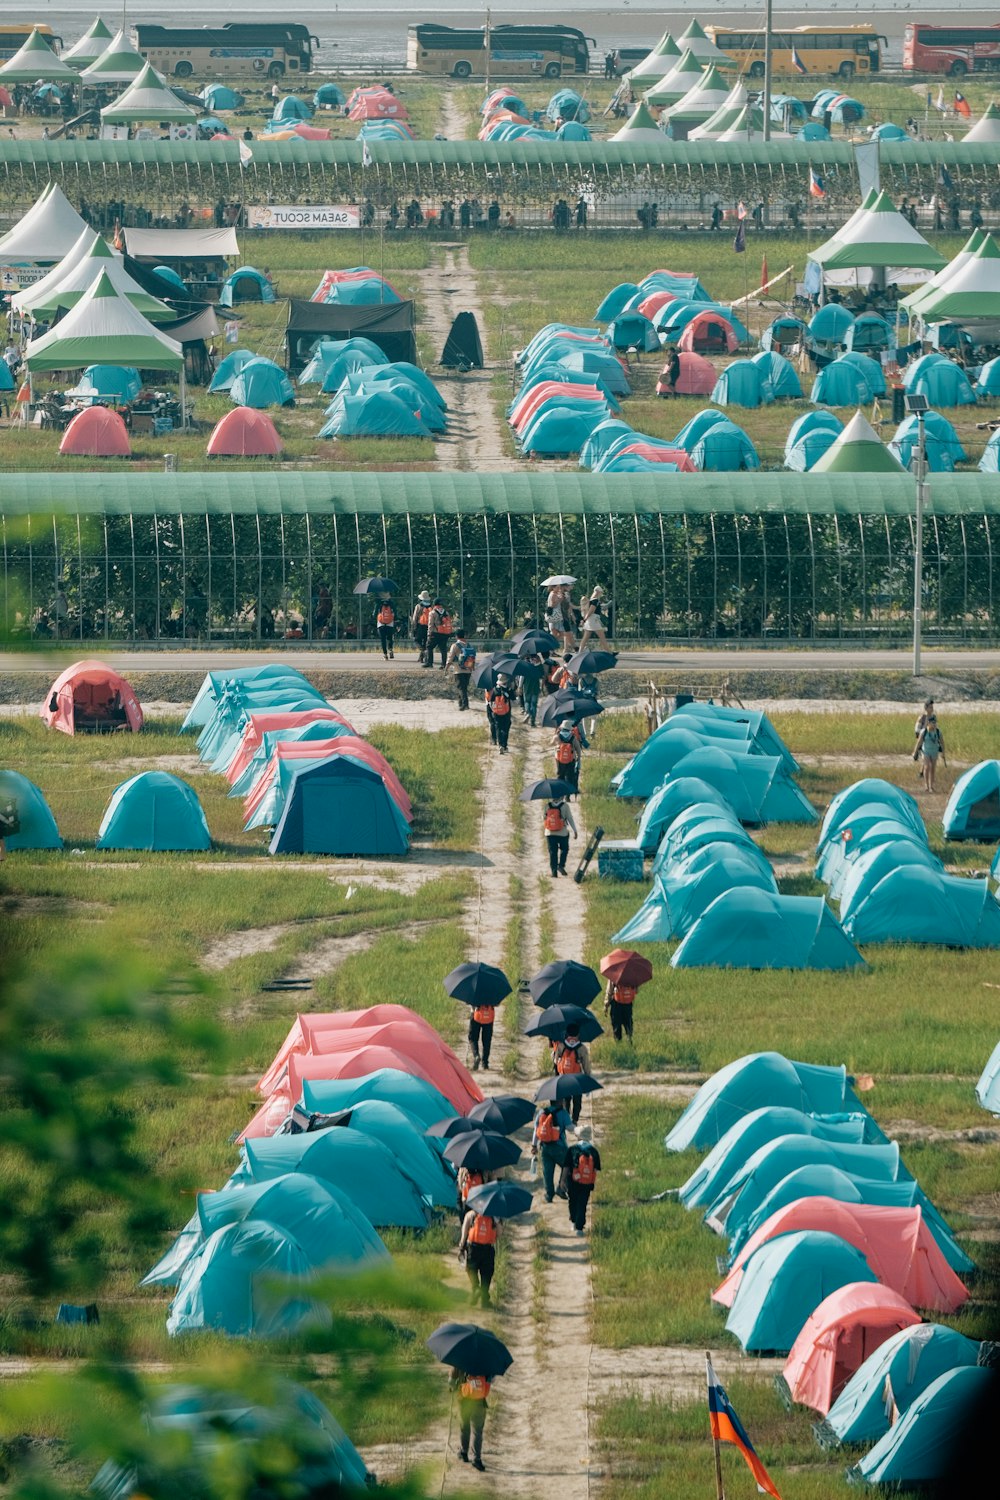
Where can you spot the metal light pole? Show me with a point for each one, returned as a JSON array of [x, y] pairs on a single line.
[[919, 406], [768, 17]]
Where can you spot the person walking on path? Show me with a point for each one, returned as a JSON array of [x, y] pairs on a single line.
[[472, 1393], [559, 824], [567, 757], [579, 1174], [418, 622], [442, 634], [548, 1142], [461, 660], [434, 616], [499, 702], [481, 1035], [572, 1057], [930, 746], [593, 622], [478, 1247], [619, 1000], [529, 689], [385, 619]]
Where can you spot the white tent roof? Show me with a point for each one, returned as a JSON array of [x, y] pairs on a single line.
[[640, 126], [686, 72], [701, 101], [749, 125], [656, 63], [987, 127], [878, 235], [120, 63], [858, 449], [24, 301], [103, 329], [181, 244], [695, 40], [47, 232], [147, 98], [973, 293], [943, 277], [35, 60], [90, 46], [724, 116], [71, 286]]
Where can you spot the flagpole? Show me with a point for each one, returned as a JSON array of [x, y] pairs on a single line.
[[768, 19], [720, 1493]]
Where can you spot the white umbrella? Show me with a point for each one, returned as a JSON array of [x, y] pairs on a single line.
[[556, 580]]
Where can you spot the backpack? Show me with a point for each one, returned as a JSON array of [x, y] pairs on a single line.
[[386, 615], [569, 1061], [554, 820], [500, 703], [565, 754], [467, 658], [584, 1171], [425, 615], [444, 625]]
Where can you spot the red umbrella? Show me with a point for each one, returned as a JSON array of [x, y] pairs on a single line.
[[623, 966]]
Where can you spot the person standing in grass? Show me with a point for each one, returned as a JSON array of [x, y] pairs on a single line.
[[461, 660], [559, 824], [548, 1141], [930, 746], [478, 1247], [579, 1174], [619, 1000], [472, 1393]]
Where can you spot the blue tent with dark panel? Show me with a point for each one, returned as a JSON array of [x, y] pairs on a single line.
[[154, 810], [339, 806], [973, 809], [909, 1361], [22, 799], [415, 1095], [730, 1154], [919, 1448], [631, 330], [246, 284], [329, 96]]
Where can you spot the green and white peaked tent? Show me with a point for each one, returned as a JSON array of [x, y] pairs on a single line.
[[987, 127], [103, 329], [700, 102], [147, 98], [48, 231], [857, 450], [658, 62], [972, 295], [880, 239], [686, 72], [724, 117], [23, 302], [749, 125], [640, 126], [90, 46], [915, 300], [77, 281], [695, 40], [120, 63], [36, 62]]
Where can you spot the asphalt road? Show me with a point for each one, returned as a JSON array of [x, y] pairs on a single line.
[[728, 663]]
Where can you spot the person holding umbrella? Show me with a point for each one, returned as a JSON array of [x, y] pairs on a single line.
[[571, 1056], [548, 1141], [385, 620], [625, 972], [498, 700], [478, 1247], [531, 677], [483, 987], [568, 756], [579, 1174], [476, 1357]]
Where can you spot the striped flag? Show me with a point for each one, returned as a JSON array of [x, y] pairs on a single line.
[[816, 188], [727, 1428], [797, 62]]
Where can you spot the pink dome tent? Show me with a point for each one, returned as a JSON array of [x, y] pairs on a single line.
[[297, 1040], [90, 697], [838, 1337], [258, 725], [96, 432], [242, 433], [697, 377]]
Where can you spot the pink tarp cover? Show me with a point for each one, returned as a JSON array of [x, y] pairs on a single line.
[[345, 744], [845, 1329], [896, 1243], [87, 688], [383, 107], [244, 433], [536, 394], [657, 455], [96, 432], [708, 331], [650, 306], [260, 724], [330, 278], [306, 1022]]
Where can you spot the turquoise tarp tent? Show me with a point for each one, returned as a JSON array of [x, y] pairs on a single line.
[[915, 904], [840, 383], [910, 1361], [291, 108], [248, 1279], [780, 374], [215, 684], [988, 1087], [154, 810], [755, 786], [372, 412], [615, 301], [224, 376], [329, 96], [763, 732], [403, 1134], [730, 1154], [669, 801], [562, 429], [359, 1165], [919, 1448], [785, 1281], [261, 383], [418, 1097], [743, 383], [874, 836], [943, 382], [220, 96], [749, 1083], [863, 874], [246, 284], [871, 789], [37, 825], [339, 806], [696, 832], [973, 809], [631, 330], [941, 443], [682, 893], [656, 758]]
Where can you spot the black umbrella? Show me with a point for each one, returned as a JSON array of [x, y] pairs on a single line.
[[503, 1113], [565, 1086], [569, 705], [482, 1151], [528, 670], [549, 790], [477, 984], [499, 1200], [376, 586], [454, 1125], [468, 1347], [564, 982], [556, 1020], [487, 672], [592, 661], [529, 641]]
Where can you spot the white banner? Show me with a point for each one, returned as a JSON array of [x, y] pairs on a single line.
[[283, 216]]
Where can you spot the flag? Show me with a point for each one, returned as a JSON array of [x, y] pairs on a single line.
[[740, 242], [797, 62], [246, 155], [763, 272], [727, 1428], [939, 101], [962, 106], [816, 188], [944, 179], [366, 156]]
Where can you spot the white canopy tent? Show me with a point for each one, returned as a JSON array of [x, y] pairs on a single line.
[[89, 47], [640, 126], [987, 127], [147, 98], [70, 288], [48, 231], [118, 64], [728, 111], [23, 302], [658, 62], [36, 62], [687, 71], [876, 245]]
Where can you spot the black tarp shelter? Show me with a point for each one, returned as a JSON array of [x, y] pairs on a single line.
[[463, 348], [387, 324]]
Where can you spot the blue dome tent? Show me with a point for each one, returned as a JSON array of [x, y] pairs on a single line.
[[291, 109], [756, 787], [683, 891], [840, 383], [785, 1281], [759, 726], [743, 383], [6, 378], [942, 446], [988, 383], [973, 809], [809, 436], [396, 410], [633, 331], [567, 104], [870, 333], [339, 806], [829, 324], [329, 96], [988, 1087], [615, 301], [229, 368], [336, 371], [219, 96], [919, 1448], [37, 828], [751, 929], [109, 383], [862, 875], [418, 1097], [154, 810], [868, 367], [887, 131], [918, 904], [704, 827], [246, 285], [812, 131], [248, 1279], [939, 379], [990, 461], [910, 1361], [668, 802], [780, 374], [603, 438], [572, 130], [561, 429], [870, 789], [782, 334], [416, 1158], [167, 273], [359, 1166], [724, 448], [259, 383]]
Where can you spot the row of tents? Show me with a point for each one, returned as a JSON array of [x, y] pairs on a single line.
[[300, 767], [100, 432], [505, 117], [833, 1253]]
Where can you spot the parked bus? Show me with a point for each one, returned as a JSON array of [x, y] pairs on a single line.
[[13, 38], [955, 50], [515, 51], [236, 50], [840, 50]]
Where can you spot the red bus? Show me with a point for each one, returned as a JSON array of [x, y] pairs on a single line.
[[955, 50]]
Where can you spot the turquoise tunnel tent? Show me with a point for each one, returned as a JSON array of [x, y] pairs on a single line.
[[911, 1360], [863, 874], [701, 824], [669, 802], [752, 929], [889, 832], [919, 1448], [756, 787], [785, 1281], [762, 731], [988, 1087], [973, 809], [359, 1165], [339, 806], [752, 1082], [418, 1097], [915, 904], [156, 811], [22, 801], [215, 684], [249, 1279], [222, 380], [871, 789], [730, 1154], [403, 1134], [682, 893]]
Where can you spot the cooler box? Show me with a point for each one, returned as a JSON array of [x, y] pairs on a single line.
[[620, 859]]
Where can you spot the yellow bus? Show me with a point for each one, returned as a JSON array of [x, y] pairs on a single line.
[[13, 38], [839, 50], [515, 51], [237, 49]]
